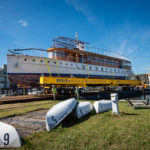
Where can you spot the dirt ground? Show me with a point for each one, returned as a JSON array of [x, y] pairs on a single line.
[[29, 123]]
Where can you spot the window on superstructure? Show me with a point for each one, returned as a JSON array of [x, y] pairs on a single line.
[[48, 61], [102, 69], [61, 63], [90, 67], [96, 68], [83, 66], [71, 64], [41, 60], [66, 54], [54, 62], [66, 64]]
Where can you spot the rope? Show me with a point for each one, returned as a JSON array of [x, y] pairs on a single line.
[[48, 67], [57, 68]]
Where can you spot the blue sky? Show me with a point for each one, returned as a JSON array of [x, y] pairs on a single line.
[[122, 26]]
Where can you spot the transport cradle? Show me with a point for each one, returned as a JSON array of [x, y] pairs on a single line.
[[84, 82]]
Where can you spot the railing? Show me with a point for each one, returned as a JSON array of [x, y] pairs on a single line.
[[106, 53], [64, 42]]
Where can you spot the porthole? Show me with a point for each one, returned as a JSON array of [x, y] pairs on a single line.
[[54, 62], [96, 68], [61, 63], [48, 61], [25, 59], [41, 60], [66, 64], [33, 60]]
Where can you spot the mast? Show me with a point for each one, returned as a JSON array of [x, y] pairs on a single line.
[[76, 35]]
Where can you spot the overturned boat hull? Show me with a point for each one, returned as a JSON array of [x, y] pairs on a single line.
[[102, 106], [9, 138], [83, 108], [59, 112]]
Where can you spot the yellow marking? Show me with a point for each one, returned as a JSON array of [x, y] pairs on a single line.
[[87, 70]]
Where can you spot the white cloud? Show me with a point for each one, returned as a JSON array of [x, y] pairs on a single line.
[[23, 23], [146, 35], [82, 7]]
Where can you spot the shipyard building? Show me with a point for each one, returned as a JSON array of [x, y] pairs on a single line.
[[4, 82]]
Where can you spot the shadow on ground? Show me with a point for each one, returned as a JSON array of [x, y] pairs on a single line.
[[132, 114], [72, 120]]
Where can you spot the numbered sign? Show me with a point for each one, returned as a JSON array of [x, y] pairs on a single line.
[[9, 137]]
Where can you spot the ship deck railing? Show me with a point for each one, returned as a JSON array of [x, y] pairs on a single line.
[[106, 53]]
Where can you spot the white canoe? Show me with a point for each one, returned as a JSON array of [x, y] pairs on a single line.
[[102, 106], [9, 137], [59, 112], [83, 108]]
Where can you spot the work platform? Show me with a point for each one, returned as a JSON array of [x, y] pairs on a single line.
[[84, 82]]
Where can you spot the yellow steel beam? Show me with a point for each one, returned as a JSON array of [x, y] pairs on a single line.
[[86, 82], [48, 67]]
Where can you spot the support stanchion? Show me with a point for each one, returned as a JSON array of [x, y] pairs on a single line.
[[115, 107]]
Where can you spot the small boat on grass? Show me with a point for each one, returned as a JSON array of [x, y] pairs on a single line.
[[102, 106], [59, 112], [9, 137], [83, 108]]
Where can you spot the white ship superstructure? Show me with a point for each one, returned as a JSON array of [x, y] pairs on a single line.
[[67, 58]]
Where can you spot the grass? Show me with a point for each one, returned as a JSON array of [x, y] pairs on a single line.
[[129, 130], [22, 108]]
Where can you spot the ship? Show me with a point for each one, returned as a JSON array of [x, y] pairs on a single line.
[[67, 57]]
